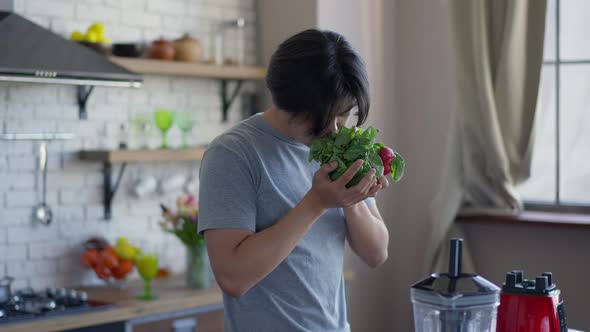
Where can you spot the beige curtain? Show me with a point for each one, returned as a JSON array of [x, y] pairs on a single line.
[[497, 53]]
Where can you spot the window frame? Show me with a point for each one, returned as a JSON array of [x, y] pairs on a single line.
[[557, 205]]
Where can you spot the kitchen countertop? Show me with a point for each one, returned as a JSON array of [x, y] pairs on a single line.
[[172, 296]]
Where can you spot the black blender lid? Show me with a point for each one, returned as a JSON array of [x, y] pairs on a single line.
[[466, 285], [463, 288]]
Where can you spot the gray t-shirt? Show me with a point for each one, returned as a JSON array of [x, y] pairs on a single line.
[[250, 177]]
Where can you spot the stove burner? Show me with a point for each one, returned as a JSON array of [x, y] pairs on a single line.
[[27, 304]]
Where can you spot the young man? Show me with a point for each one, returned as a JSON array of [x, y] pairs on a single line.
[[275, 224]]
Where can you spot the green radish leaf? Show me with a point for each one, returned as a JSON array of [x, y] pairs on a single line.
[[359, 175], [342, 167], [365, 142], [354, 152], [350, 144], [379, 170], [377, 147], [344, 137], [397, 167], [377, 164]]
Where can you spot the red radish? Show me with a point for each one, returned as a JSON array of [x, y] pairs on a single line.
[[387, 155], [386, 169]]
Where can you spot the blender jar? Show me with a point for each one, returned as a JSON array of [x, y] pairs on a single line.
[[455, 301]]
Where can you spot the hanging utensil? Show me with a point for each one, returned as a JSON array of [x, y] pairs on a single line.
[[5, 289], [42, 212]]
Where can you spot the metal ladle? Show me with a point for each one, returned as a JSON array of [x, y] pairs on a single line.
[[42, 212]]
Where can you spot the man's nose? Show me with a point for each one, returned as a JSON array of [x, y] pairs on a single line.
[[331, 128], [334, 126]]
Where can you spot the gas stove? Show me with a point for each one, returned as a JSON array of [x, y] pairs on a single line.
[[27, 305]]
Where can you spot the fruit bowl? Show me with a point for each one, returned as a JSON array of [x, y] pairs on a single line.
[[109, 262], [94, 38], [102, 48]]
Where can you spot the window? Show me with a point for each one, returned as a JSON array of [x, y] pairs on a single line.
[[560, 174]]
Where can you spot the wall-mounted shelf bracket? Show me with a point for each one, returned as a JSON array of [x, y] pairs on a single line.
[[109, 188], [226, 101], [84, 92]]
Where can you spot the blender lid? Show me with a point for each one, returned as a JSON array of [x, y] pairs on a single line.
[[467, 290], [455, 288], [465, 285]]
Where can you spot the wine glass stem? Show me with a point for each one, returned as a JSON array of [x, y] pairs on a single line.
[[148, 288], [164, 140], [185, 139]]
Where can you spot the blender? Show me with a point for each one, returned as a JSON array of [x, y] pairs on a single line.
[[455, 301], [531, 305]]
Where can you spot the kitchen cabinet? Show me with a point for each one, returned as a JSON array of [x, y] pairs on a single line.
[[201, 319], [208, 319]]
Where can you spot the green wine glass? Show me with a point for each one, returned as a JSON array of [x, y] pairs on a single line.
[[185, 122], [143, 124], [164, 120], [147, 266]]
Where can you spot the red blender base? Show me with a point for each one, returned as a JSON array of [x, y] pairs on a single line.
[[530, 305]]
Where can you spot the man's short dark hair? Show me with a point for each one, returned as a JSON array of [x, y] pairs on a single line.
[[316, 74]]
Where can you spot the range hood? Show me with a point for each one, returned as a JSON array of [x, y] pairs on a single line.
[[30, 53]]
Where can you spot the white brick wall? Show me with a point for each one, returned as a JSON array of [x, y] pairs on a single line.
[[31, 234], [174, 7], [13, 110], [58, 8], [98, 12], [23, 269], [13, 252], [10, 148], [48, 250], [79, 196], [127, 4], [15, 180], [22, 163], [14, 217], [141, 19], [20, 198], [41, 256]]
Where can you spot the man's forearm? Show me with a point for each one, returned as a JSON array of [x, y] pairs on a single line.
[[260, 253], [367, 235]]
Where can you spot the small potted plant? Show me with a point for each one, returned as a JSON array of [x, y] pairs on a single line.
[[183, 223]]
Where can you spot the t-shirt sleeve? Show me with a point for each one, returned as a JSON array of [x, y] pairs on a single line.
[[227, 191], [370, 201]]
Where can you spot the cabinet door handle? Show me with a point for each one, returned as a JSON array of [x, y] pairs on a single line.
[[185, 325]]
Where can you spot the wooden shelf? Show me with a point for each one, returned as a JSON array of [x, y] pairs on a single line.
[[123, 156], [159, 67], [108, 157]]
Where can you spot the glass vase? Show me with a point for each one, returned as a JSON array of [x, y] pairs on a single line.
[[198, 270]]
